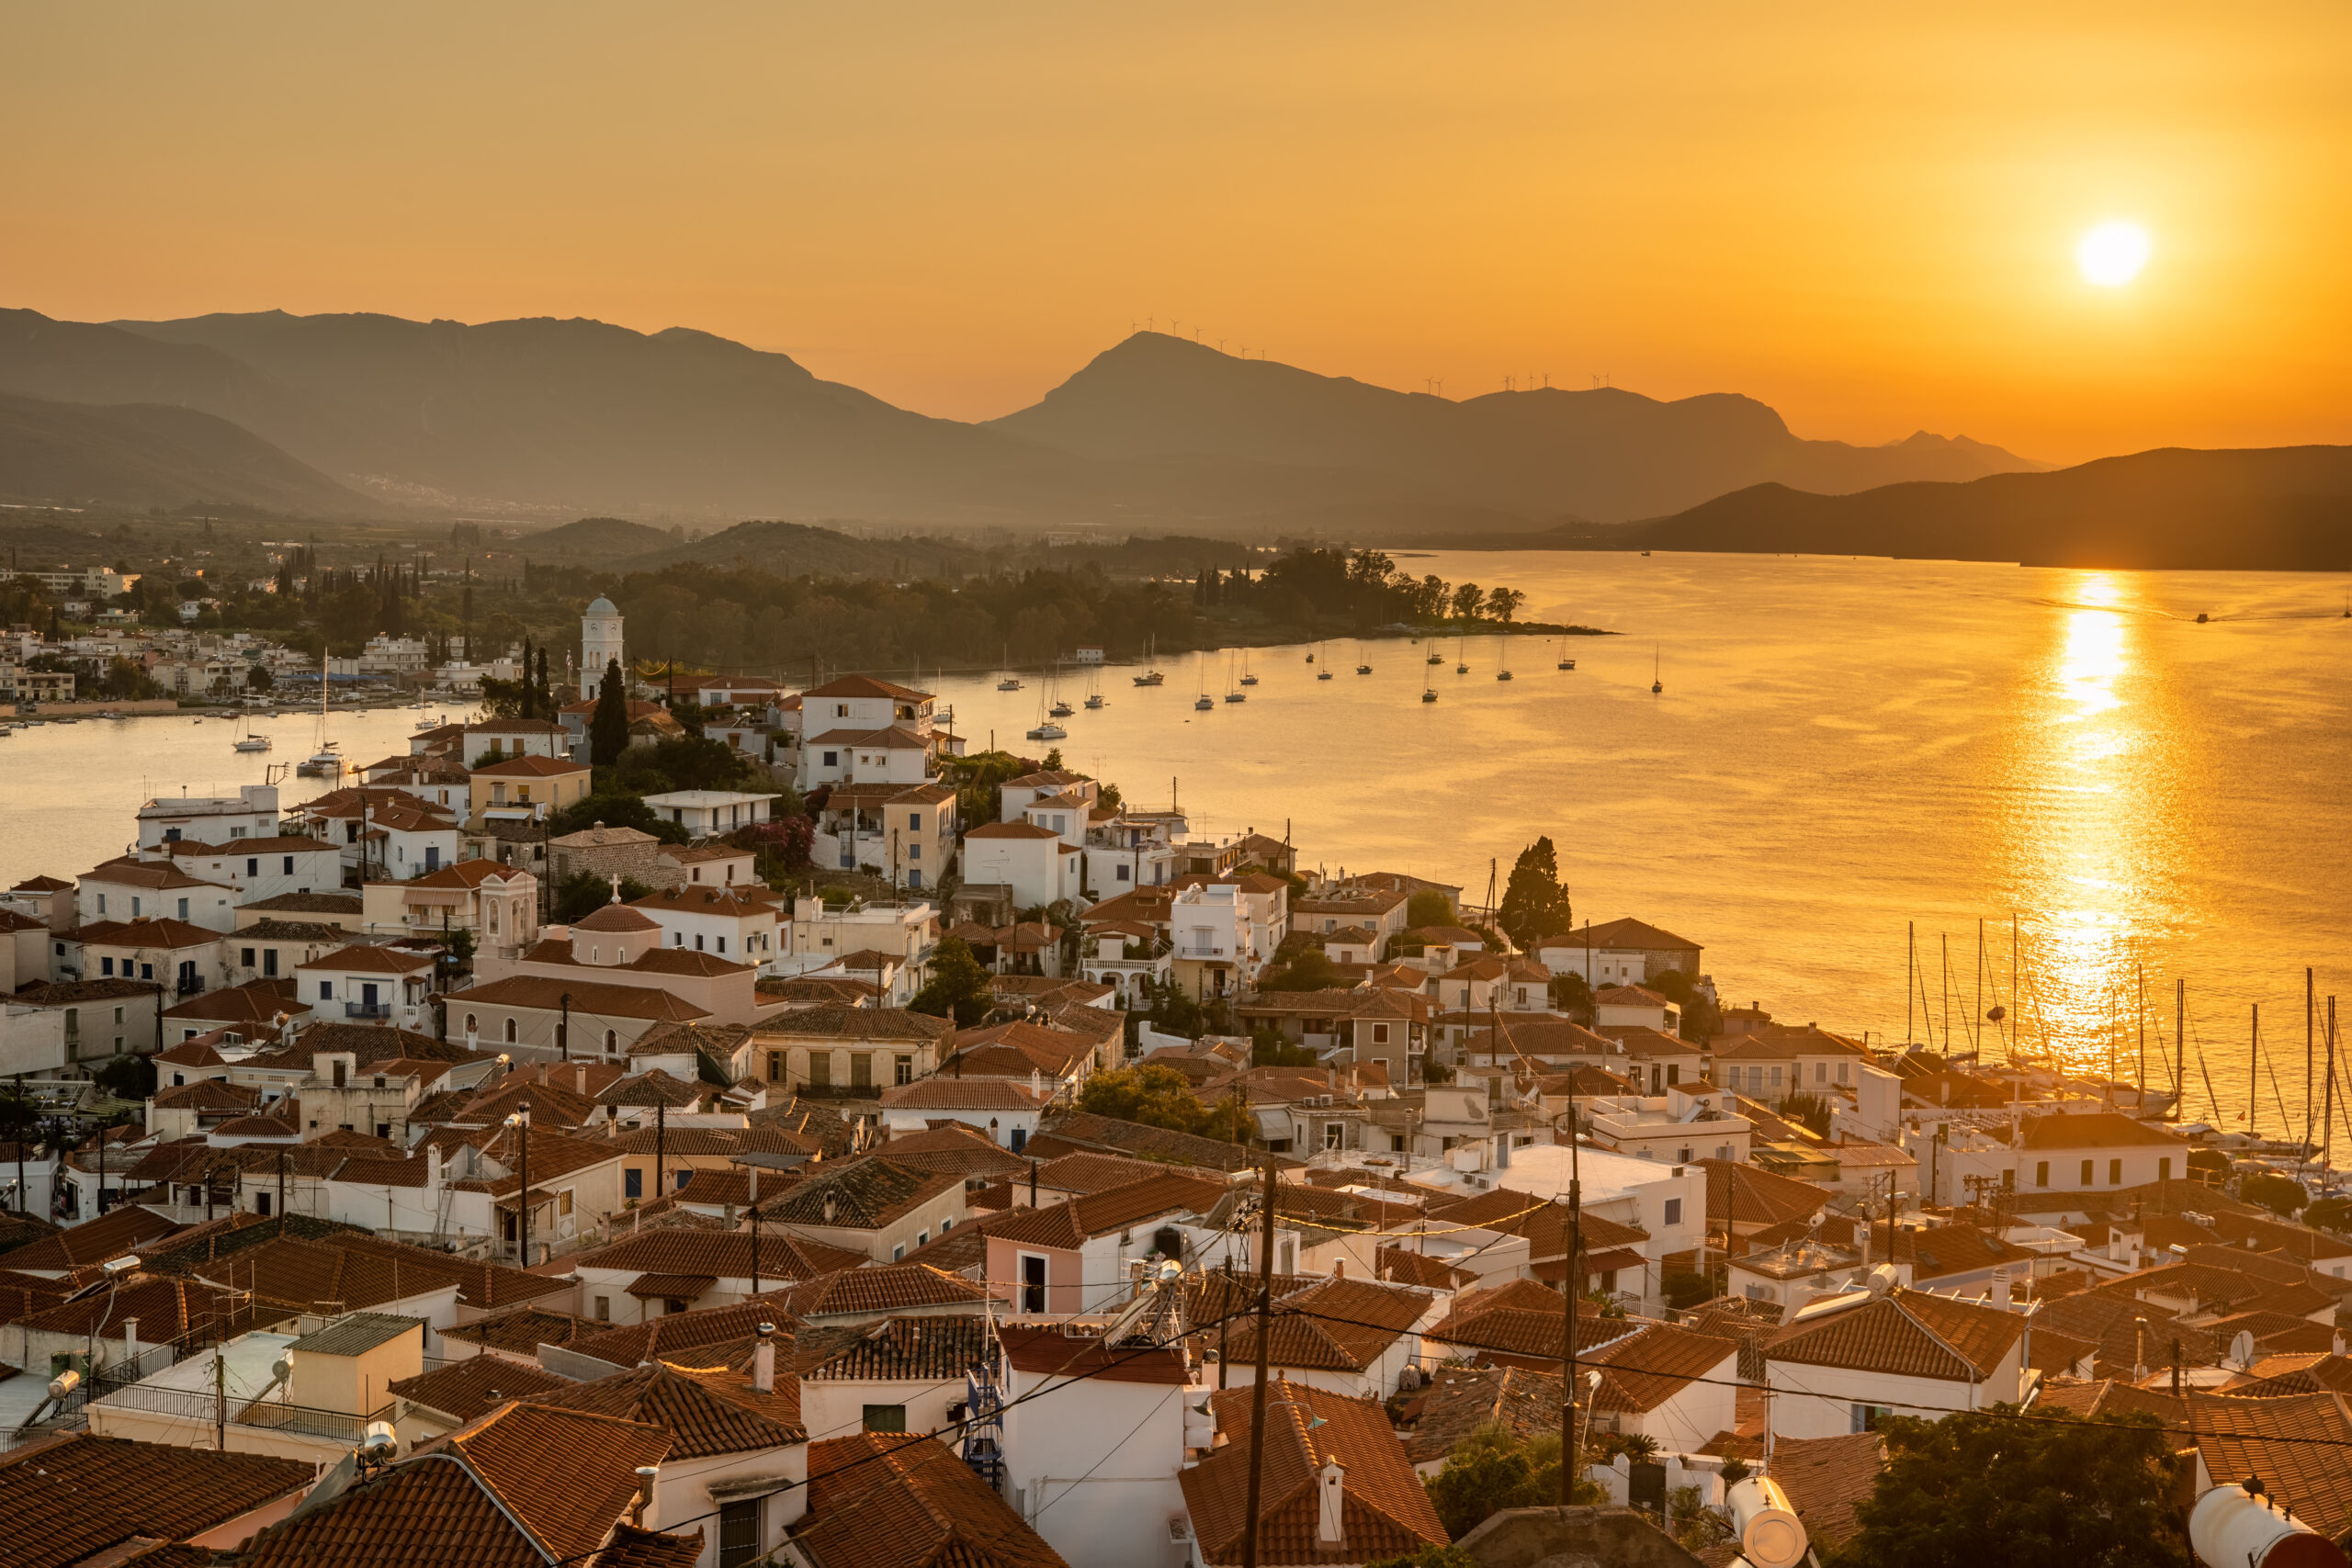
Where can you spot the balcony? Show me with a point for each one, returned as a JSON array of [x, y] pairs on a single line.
[[1193, 950], [367, 1009], [204, 1410], [189, 985]]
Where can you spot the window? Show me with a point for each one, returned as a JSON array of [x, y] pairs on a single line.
[[252, 865], [923, 1239], [604, 1309], [833, 759], [632, 1184], [326, 990], [134, 905], [899, 1253], [886, 1418], [2164, 1167], [1032, 1281], [820, 1069], [738, 1529], [269, 961], [248, 956], [2010, 1179], [1380, 1034], [1821, 1072], [2041, 1173], [1673, 1215], [102, 903], [861, 1069], [903, 1070], [106, 966], [722, 944], [1866, 1418], [914, 851], [776, 1067], [1682, 1156], [612, 1040], [2086, 1174], [289, 866], [2115, 1173], [471, 1025], [510, 1031]]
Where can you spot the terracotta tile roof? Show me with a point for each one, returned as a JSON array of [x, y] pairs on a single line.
[[206, 1094], [1085, 1128], [866, 1194], [1645, 1369], [2110, 1323], [468, 1389], [1825, 1477], [1334, 1326], [2298, 1443], [1624, 935], [1402, 1266], [1501, 1321], [1384, 1511], [887, 1500], [699, 1420], [785, 1259], [567, 1476], [72, 1497], [931, 1349], [1462, 1399], [1744, 1195], [976, 1093], [310, 903], [520, 1331], [2096, 1130], [634, 1548], [883, 1288], [118, 1234], [855, 1023], [1905, 1333], [1069, 1224], [547, 995], [2298, 1373]]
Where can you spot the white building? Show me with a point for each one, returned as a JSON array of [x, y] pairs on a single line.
[[707, 813], [1685, 1124], [251, 813], [600, 644], [2089, 1151], [1034, 862], [374, 985], [1846, 1363]]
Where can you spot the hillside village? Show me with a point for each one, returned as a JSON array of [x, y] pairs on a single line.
[[1023, 1180]]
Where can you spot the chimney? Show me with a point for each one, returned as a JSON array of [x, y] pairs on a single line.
[[2001, 1289], [764, 1361], [754, 1196], [130, 1340], [1339, 1268], [642, 1512], [432, 1166], [580, 1077], [1329, 1496]]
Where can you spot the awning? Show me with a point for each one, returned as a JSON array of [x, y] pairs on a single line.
[[672, 1287]]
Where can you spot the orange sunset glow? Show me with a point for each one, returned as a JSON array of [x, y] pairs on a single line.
[[1873, 218]]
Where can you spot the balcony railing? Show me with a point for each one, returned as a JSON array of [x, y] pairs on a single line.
[[1191, 950], [301, 1420], [367, 1009], [188, 985]]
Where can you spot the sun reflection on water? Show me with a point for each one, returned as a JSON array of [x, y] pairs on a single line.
[[2083, 845]]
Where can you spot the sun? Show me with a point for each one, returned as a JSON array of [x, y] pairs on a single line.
[[2112, 255]]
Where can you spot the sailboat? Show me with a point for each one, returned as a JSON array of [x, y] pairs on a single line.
[[1566, 662], [325, 762], [1429, 692], [1061, 708], [1325, 672], [1249, 676], [1362, 668], [1093, 690], [1461, 654], [248, 741], [1047, 729], [1149, 677], [1205, 703], [1233, 694], [1502, 655], [1011, 683], [1658, 682]]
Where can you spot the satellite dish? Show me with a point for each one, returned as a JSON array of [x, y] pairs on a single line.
[[2241, 1347], [380, 1438]]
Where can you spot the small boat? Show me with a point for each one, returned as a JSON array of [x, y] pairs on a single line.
[[425, 723], [1435, 659], [1009, 683], [1324, 674], [1566, 662], [1061, 708], [1151, 678], [1249, 676], [1657, 683], [1048, 730], [250, 743], [1094, 699], [2203, 617], [1205, 703], [1363, 669], [1502, 674], [1237, 697], [1428, 695], [323, 763]]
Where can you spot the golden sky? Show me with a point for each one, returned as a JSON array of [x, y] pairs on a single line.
[[1864, 214]]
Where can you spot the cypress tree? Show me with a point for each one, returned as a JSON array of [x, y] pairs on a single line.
[[608, 729]]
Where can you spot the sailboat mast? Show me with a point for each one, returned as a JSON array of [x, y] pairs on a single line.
[[1910, 969], [1976, 1024], [2180, 1042], [2310, 1018], [2252, 1067]]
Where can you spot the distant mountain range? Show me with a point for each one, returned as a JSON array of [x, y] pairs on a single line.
[[154, 455], [544, 416], [2280, 508]]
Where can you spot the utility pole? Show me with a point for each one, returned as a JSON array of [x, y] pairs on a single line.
[[1257, 1395], [1571, 1286], [520, 1120], [563, 1030], [755, 1241], [281, 1192], [661, 1138]]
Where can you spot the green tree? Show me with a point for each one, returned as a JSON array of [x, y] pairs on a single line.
[[1536, 904], [1573, 996], [2280, 1194], [1428, 907], [1159, 1097], [958, 987], [1503, 604], [127, 1077], [608, 726], [1268, 1048], [1813, 1112], [1491, 1470], [577, 898], [1467, 598], [2330, 1213], [1307, 969], [1991, 1486]]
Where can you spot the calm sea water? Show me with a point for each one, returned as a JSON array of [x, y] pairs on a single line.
[[1842, 747]]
